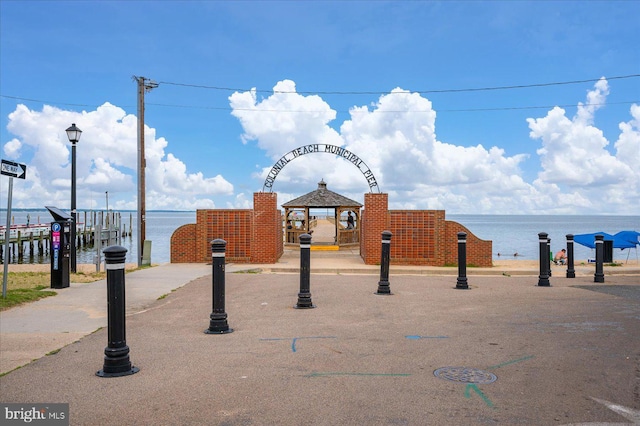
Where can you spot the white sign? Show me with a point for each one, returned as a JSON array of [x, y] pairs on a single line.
[[16, 170]]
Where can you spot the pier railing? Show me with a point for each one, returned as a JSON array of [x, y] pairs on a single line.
[[35, 239]]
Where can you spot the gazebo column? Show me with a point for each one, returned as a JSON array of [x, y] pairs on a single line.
[[287, 224], [307, 218], [338, 213]]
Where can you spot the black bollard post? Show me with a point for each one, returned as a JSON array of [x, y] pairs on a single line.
[[461, 284], [116, 354], [598, 277], [218, 319], [543, 278], [549, 254], [383, 284], [571, 272], [304, 297]]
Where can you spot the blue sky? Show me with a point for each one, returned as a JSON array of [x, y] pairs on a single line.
[[243, 83]]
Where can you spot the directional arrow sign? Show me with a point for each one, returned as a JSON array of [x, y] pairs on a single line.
[[16, 170]]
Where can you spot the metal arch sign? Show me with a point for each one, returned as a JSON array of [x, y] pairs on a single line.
[[316, 148]]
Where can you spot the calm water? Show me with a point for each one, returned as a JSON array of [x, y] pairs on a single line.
[[519, 233], [160, 227], [510, 234]]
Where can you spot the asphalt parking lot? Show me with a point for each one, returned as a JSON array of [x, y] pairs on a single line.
[[504, 352]]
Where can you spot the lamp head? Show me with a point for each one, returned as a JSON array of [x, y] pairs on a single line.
[[73, 133]]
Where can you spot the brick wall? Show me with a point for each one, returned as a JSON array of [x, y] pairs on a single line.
[[267, 245], [192, 243], [375, 219], [233, 226], [420, 237], [183, 244], [417, 237], [479, 252], [205, 234]]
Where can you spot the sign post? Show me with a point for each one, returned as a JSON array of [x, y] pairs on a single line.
[[11, 169]]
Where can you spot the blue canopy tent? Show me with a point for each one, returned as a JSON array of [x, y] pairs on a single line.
[[631, 237], [621, 240]]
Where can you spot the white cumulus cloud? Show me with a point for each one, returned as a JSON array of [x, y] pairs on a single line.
[[579, 169], [574, 150], [106, 159], [575, 158], [396, 137]]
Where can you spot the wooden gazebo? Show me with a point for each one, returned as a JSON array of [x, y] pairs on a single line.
[[298, 220]]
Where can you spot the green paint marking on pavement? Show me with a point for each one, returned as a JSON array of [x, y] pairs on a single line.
[[493, 367], [476, 389], [358, 374]]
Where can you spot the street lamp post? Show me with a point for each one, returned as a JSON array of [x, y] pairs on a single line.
[[73, 133]]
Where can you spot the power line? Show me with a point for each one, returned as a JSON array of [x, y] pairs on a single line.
[[474, 89], [226, 108], [536, 107], [18, 98], [403, 111]]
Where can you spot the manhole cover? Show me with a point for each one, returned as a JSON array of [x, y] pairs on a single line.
[[465, 375]]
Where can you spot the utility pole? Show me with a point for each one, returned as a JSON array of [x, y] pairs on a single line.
[[144, 85]]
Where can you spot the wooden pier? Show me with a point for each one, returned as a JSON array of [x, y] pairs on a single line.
[[35, 239]]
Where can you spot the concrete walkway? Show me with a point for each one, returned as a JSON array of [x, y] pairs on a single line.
[[324, 232], [565, 354], [33, 330], [348, 261]]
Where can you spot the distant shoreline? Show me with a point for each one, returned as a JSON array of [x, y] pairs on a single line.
[[38, 209], [448, 215]]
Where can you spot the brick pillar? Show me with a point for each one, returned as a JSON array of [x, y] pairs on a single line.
[[375, 219], [440, 239], [267, 228]]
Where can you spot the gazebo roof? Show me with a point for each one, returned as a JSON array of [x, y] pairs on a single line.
[[322, 197]]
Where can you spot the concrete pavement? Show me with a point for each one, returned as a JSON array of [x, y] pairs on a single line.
[[33, 330], [566, 354], [348, 261]]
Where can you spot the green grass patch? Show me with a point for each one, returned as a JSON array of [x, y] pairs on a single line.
[[25, 287], [23, 295], [249, 271]]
